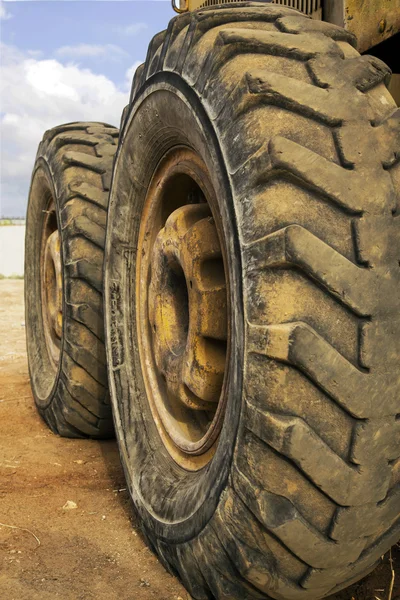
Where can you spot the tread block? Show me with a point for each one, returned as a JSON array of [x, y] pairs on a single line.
[[376, 440], [297, 24], [82, 226], [84, 260], [247, 546], [83, 313], [389, 135], [124, 116], [280, 517], [231, 42], [367, 519], [328, 578], [81, 385], [106, 150], [73, 137], [80, 249], [300, 345], [79, 159], [50, 134], [77, 207], [368, 72], [296, 246], [76, 417], [88, 362], [172, 45], [355, 578], [204, 21], [218, 570], [86, 349], [340, 185], [89, 192], [378, 245], [103, 129], [297, 96], [84, 269], [79, 292], [361, 72], [77, 411], [353, 142], [153, 54], [58, 423], [138, 80], [183, 562], [292, 437], [255, 566]]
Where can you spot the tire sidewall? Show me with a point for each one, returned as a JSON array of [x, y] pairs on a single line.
[[166, 114], [44, 377]]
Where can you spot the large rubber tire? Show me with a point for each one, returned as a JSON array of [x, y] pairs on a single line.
[[302, 139], [72, 172]]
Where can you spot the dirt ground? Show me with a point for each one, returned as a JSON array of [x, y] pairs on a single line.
[[93, 551]]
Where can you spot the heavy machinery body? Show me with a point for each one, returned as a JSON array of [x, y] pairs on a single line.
[[372, 21]]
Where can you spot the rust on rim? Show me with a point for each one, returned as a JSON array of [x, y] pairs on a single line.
[[51, 284], [182, 308]]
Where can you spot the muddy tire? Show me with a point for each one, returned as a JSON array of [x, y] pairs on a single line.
[[298, 140], [64, 249]]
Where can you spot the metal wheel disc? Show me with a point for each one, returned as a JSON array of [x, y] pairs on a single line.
[[183, 309]]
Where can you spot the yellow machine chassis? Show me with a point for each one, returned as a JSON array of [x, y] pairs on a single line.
[[372, 21]]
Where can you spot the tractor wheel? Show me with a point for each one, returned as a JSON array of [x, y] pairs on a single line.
[[64, 249], [252, 304]]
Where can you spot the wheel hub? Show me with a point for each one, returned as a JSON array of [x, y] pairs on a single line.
[[52, 288], [189, 322], [183, 327]]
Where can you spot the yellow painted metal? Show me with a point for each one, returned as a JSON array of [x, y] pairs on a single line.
[[193, 4], [372, 21], [310, 7], [53, 281], [187, 249], [182, 308], [51, 284]]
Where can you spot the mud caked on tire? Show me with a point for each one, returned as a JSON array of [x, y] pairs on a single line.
[[252, 304], [64, 249]]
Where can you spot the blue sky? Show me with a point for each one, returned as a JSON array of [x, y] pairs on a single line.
[[49, 25], [63, 61]]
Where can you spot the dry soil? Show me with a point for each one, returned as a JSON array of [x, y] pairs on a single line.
[[93, 551]]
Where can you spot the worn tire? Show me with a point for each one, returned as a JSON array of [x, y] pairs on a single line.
[[302, 497], [72, 171]]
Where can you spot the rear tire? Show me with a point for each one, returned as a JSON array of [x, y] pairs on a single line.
[[299, 138], [64, 249]]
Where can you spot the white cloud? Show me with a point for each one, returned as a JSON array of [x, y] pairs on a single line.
[[110, 51], [4, 15], [132, 29], [37, 95]]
